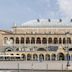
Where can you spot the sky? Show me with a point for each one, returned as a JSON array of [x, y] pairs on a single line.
[[20, 11]]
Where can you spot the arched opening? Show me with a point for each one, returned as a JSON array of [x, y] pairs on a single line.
[[69, 40], [8, 49], [38, 41], [55, 40], [61, 56], [23, 57], [64, 40], [5, 40], [53, 57], [41, 57], [47, 57], [41, 49], [44, 41], [67, 57], [60, 40], [32, 40], [35, 57], [70, 49], [27, 40], [22, 40], [17, 57], [50, 40], [29, 57], [12, 39], [17, 40]]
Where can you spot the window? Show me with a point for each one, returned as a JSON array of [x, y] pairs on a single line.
[[49, 40], [55, 40], [32, 40], [38, 41], [27, 40], [60, 40], [22, 40], [44, 40], [64, 40], [17, 40], [69, 40]]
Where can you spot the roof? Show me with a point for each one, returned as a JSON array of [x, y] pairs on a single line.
[[46, 23]]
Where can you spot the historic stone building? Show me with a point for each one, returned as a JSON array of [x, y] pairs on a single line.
[[37, 40]]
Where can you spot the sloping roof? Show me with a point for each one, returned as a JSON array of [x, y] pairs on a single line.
[[6, 31]]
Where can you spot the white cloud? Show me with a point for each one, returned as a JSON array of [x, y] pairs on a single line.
[[65, 6]]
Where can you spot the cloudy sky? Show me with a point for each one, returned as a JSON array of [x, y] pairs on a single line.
[[20, 11]]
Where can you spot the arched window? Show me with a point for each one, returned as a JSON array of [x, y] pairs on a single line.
[[49, 40], [53, 57], [61, 56], [38, 41], [29, 57], [47, 57], [55, 40], [12, 39], [69, 40], [17, 40], [64, 40], [60, 40], [22, 40], [44, 41], [32, 40], [5, 40], [27, 40], [35, 57]]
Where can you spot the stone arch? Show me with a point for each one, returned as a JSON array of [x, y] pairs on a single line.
[[32, 40], [61, 56], [22, 40], [27, 40], [8, 49], [38, 40], [69, 40], [41, 57], [55, 40], [60, 40], [17, 40], [35, 57], [44, 40], [49, 40], [47, 57], [23, 56], [64, 40], [53, 57], [12, 38], [70, 49], [29, 57]]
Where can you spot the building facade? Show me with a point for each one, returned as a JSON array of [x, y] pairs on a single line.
[[37, 40]]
